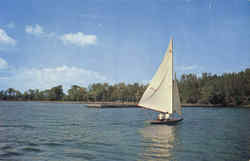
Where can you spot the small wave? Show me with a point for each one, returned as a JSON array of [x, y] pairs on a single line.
[[32, 144], [56, 125], [97, 143], [10, 153], [81, 155], [22, 126], [31, 149], [74, 124], [63, 124], [6, 147], [53, 144]]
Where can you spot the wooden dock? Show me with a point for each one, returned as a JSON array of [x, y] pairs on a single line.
[[111, 105]]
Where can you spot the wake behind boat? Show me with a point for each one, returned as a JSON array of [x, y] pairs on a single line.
[[162, 94]]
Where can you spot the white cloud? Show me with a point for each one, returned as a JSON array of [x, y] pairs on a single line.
[[187, 67], [3, 64], [38, 30], [6, 39], [244, 66], [44, 78], [34, 30], [78, 39]]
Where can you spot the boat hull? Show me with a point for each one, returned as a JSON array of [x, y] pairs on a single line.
[[167, 122]]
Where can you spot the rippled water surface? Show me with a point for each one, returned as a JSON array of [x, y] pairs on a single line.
[[72, 132]]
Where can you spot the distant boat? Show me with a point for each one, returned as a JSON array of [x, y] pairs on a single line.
[[162, 94]]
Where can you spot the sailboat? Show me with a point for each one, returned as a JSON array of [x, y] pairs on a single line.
[[162, 93]]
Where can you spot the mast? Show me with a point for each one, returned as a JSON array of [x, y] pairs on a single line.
[[172, 71]]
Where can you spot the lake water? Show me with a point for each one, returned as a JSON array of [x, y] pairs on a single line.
[[73, 132]]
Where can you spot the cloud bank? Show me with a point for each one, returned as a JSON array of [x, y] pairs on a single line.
[[44, 78]]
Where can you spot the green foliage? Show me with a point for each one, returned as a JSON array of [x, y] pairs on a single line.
[[117, 92], [56, 93], [226, 89], [77, 93]]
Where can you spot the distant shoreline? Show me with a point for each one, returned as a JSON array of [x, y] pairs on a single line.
[[124, 104]]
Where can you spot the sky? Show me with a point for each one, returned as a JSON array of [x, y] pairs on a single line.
[[79, 42]]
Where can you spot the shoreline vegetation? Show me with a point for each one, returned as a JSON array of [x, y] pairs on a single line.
[[207, 90], [123, 104]]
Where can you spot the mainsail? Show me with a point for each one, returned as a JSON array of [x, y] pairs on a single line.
[[162, 92]]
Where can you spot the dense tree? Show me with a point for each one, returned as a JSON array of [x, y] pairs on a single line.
[[77, 93], [56, 93], [226, 89]]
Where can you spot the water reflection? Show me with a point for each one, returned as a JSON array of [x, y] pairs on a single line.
[[158, 142]]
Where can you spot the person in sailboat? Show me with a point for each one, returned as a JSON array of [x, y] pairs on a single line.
[[163, 116], [160, 117]]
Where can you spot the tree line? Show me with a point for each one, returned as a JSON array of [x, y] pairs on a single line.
[[228, 89], [101, 92]]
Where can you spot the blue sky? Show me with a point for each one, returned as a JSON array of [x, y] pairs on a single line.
[[46, 43]]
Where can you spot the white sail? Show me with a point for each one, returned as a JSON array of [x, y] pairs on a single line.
[[159, 94], [176, 99]]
